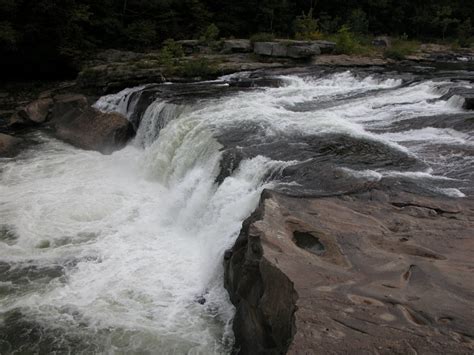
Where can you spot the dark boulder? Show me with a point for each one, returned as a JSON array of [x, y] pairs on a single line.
[[9, 145], [38, 110], [32, 114], [75, 122]]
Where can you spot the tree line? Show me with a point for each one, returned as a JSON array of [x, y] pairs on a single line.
[[38, 36]]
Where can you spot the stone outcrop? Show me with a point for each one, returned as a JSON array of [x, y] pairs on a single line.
[[75, 122], [236, 46], [371, 273], [293, 49], [9, 145]]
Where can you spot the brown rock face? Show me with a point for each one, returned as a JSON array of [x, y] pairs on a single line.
[[8, 145], [38, 110], [32, 114], [75, 122], [373, 273]]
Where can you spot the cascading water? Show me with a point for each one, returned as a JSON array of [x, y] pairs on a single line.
[[123, 253]]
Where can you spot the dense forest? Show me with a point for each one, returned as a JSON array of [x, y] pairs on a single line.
[[37, 36]]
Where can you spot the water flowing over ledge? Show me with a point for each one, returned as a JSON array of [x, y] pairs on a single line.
[[125, 251]]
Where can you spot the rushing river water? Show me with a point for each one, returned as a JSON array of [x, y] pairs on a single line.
[[122, 253]]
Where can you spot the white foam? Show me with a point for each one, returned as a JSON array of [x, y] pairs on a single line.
[[431, 135], [456, 101], [149, 234], [119, 102]]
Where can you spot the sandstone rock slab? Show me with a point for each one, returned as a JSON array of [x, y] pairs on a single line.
[[359, 274]]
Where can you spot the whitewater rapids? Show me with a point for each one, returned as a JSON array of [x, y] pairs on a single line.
[[123, 253]]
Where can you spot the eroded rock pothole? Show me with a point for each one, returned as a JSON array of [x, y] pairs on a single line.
[[309, 242]]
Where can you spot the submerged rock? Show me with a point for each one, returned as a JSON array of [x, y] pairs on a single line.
[[350, 274], [9, 145], [75, 122]]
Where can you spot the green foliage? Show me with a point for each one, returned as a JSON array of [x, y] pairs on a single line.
[[42, 35], [346, 43], [141, 33], [465, 33], [194, 68], [173, 48], [305, 26], [170, 54], [262, 37], [8, 36], [329, 24], [400, 49], [444, 18], [211, 34], [358, 22]]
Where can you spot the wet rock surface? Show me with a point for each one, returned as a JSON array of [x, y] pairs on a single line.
[[75, 122], [32, 114], [380, 272], [9, 145]]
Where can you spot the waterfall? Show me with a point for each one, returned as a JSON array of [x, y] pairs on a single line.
[[123, 253]]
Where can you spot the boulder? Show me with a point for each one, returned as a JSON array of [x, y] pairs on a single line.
[[75, 122], [9, 145], [374, 272], [289, 49], [303, 51], [326, 47], [237, 46], [381, 41], [34, 113], [68, 104], [38, 110]]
